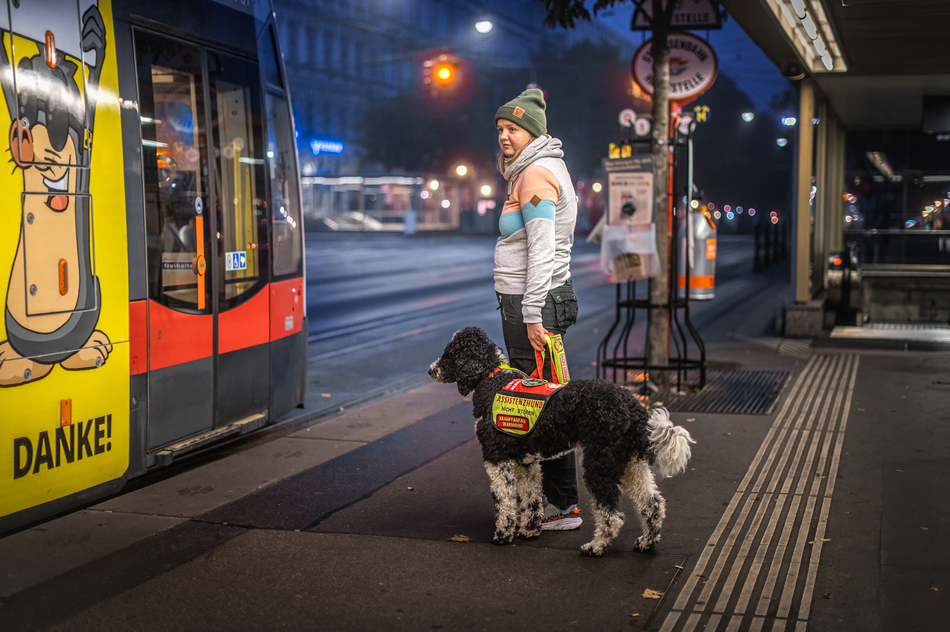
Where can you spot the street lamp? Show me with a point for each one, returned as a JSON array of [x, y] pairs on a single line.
[[596, 187], [484, 26], [486, 190], [748, 116], [781, 142], [461, 170]]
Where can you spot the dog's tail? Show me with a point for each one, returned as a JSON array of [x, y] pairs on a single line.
[[669, 443]]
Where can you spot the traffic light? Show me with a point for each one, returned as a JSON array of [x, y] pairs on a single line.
[[441, 73]]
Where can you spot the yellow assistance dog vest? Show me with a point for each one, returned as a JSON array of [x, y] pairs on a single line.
[[517, 407]]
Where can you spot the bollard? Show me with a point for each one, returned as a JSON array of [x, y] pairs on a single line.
[[756, 262], [776, 250], [784, 240]]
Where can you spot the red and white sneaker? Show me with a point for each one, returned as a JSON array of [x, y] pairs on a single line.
[[561, 519]]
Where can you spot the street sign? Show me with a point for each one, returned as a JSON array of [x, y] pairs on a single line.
[[693, 67], [688, 14]]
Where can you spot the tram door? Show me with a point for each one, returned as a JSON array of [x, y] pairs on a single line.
[[207, 236]]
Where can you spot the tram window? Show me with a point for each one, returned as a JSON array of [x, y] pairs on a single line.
[[282, 168], [175, 168], [281, 164], [240, 191]]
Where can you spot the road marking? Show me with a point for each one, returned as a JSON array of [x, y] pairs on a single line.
[[371, 343], [787, 491]]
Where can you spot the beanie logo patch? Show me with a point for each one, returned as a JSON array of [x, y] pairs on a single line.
[[518, 112]]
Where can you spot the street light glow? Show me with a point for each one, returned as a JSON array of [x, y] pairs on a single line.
[[446, 204], [789, 121], [444, 73], [748, 116], [781, 142], [596, 187], [461, 170], [486, 190], [484, 26], [694, 203], [434, 185]]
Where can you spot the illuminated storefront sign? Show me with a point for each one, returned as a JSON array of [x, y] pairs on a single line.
[[318, 146]]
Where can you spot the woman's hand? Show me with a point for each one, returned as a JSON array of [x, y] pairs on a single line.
[[536, 336]]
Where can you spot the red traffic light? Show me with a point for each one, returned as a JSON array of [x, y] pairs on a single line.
[[441, 73]]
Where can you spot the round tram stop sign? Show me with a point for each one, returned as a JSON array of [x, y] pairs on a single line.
[[693, 67]]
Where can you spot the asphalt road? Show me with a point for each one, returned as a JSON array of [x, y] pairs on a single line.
[[382, 307]]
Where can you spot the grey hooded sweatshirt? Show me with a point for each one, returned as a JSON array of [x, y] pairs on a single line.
[[533, 253]]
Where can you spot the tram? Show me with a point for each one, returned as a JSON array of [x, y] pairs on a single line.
[[151, 242]]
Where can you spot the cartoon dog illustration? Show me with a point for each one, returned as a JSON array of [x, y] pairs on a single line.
[[53, 301]]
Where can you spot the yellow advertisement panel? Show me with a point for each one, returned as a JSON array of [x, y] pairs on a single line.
[[64, 353]]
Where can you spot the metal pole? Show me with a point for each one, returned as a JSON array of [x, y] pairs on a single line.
[[689, 208]]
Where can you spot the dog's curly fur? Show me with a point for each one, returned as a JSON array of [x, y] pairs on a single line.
[[620, 440]]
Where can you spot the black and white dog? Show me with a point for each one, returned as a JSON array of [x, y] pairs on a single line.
[[620, 441]]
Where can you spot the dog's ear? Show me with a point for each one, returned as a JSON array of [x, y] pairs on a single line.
[[475, 355], [467, 373]]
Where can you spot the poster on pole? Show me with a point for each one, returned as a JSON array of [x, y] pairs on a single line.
[[629, 190]]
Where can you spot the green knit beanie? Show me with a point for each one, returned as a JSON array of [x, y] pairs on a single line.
[[527, 111]]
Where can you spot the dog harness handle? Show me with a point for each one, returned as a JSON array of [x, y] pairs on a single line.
[[538, 372]]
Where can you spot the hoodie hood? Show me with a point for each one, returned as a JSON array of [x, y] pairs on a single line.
[[541, 147]]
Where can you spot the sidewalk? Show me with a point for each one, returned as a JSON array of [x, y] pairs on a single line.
[[352, 523]]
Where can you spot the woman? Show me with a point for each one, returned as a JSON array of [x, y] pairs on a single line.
[[532, 265]]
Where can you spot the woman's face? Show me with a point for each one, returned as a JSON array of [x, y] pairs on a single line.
[[512, 138]]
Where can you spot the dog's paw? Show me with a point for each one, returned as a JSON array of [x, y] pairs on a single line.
[[644, 544], [502, 538], [526, 534], [593, 550]]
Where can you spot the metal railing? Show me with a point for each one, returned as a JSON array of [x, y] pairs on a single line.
[[899, 246]]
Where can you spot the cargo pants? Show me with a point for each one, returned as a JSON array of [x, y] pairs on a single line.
[[558, 476]]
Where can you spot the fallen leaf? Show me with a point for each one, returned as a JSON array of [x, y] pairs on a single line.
[[811, 542], [409, 488], [827, 595], [635, 614], [676, 566], [691, 419], [324, 394], [826, 539], [657, 403], [899, 471], [649, 593], [924, 529], [460, 538], [728, 434], [935, 589]]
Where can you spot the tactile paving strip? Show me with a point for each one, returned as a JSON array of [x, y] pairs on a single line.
[[746, 392]]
